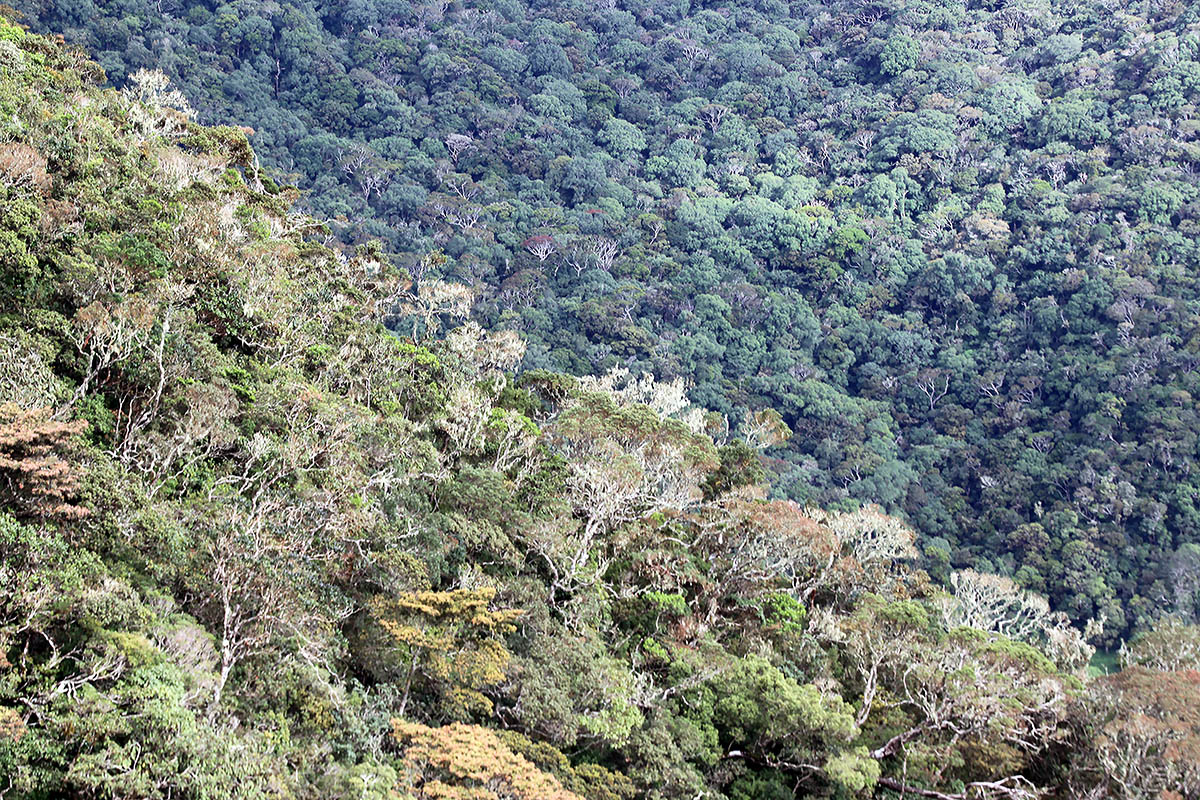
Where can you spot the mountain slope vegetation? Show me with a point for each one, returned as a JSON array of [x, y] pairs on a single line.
[[952, 243], [253, 544]]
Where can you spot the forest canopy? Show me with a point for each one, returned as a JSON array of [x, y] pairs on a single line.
[[280, 517], [952, 244]]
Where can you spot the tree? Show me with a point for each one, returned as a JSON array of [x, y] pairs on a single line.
[[713, 114], [992, 603], [623, 139], [1009, 104], [928, 380], [626, 461], [467, 762], [755, 548], [868, 541], [765, 428], [22, 165], [35, 480], [899, 55], [155, 108], [457, 144], [667, 398], [969, 704], [604, 252], [451, 642], [1142, 735], [541, 246], [1170, 646], [770, 720], [369, 171], [435, 298], [1184, 571], [740, 466], [110, 336], [255, 592]]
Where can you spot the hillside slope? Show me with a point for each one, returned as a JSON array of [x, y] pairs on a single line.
[[254, 545], [951, 243]]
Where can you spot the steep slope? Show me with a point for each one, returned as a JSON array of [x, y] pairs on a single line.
[[950, 243], [252, 544]]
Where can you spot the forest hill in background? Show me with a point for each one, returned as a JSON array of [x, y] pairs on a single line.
[[255, 544], [953, 244]]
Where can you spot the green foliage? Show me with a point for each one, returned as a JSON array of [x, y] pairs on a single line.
[[785, 612], [287, 527], [739, 466], [898, 56]]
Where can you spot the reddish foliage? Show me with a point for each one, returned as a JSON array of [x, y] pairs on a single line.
[[34, 479], [21, 164], [12, 727], [1148, 737]]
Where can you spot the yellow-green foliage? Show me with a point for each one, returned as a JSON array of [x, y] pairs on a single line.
[[244, 525], [452, 640], [465, 762]]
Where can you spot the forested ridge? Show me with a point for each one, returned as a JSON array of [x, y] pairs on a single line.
[[279, 518], [952, 243]]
